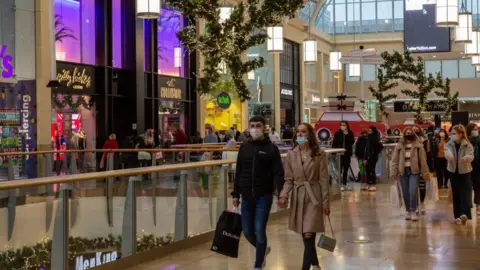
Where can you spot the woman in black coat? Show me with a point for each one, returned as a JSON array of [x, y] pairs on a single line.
[[344, 139], [372, 151]]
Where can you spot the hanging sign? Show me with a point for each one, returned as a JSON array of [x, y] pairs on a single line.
[[410, 106], [6, 63], [172, 88], [224, 100], [91, 260], [77, 79]]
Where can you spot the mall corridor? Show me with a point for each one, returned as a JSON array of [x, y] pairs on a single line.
[[371, 234]]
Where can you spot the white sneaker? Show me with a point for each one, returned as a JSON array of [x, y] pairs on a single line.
[[408, 216], [267, 251], [464, 219], [422, 209], [458, 221], [316, 268], [372, 188], [414, 218], [342, 188]]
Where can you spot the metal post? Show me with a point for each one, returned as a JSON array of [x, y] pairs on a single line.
[[110, 182], [181, 211], [50, 192], [75, 202], [186, 155], [154, 189], [59, 257], [12, 199], [129, 227]]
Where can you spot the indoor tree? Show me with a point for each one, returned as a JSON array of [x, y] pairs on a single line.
[[411, 71], [227, 42], [383, 91], [444, 91]]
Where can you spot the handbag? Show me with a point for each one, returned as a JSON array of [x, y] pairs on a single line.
[[394, 196], [325, 242]]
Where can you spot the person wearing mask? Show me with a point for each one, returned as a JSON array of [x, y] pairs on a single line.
[[259, 174], [474, 138], [345, 139], [459, 154], [361, 155], [111, 143], [409, 161], [422, 183], [306, 176], [438, 151], [273, 135], [373, 149]]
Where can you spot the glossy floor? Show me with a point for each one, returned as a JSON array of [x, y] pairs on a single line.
[[434, 242]]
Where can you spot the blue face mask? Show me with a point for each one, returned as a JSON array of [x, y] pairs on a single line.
[[302, 140]]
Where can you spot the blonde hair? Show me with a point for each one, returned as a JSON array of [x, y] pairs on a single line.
[[461, 129], [112, 136]]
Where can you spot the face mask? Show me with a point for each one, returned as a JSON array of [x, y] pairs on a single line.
[[302, 140], [410, 137], [475, 133], [442, 134], [453, 137], [343, 128], [256, 133]]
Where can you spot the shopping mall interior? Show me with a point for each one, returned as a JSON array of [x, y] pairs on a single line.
[[226, 134]]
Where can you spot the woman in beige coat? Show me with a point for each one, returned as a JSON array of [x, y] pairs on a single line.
[[306, 174]]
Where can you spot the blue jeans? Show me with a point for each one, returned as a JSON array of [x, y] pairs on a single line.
[[255, 215], [409, 183]]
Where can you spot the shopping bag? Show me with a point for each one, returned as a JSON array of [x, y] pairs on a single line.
[[394, 196], [432, 190], [227, 234], [325, 242]]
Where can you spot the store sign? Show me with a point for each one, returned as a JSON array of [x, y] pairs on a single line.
[[315, 99], [6, 65], [224, 100], [172, 88], [87, 261], [474, 116], [75, 78], [410, 106], [9, 117], [287, 92]]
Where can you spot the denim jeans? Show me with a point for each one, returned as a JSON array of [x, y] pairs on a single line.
[[409, 183], [255, 215]]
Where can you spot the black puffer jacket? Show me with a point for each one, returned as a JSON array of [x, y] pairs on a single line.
[[259, 170], [340, 140]]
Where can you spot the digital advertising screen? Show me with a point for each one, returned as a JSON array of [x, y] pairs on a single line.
[[421, 35]]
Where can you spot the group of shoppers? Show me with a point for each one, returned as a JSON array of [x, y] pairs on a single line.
[[367, 150], [456, 158], [302, 178]]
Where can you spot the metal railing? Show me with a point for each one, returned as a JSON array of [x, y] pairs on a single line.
[[83, 220]]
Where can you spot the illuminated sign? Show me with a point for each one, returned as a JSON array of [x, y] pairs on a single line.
[[10, 117], [87, 261], [6, 66], [78, 78], [315, 99], [287, 92], [172, 88], [224, 100]]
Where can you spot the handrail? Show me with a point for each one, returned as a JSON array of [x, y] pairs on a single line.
[[6, 185]]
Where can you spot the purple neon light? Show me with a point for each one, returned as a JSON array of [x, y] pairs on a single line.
[[7, 63], [117, 33]]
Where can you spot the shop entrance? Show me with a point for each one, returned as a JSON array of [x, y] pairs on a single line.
[[287, 113]]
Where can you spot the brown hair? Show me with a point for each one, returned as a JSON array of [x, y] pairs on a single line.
[[312, 140], [461, 129], [411, 129]]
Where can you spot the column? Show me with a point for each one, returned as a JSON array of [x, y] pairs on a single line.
[[302, 75], [200, 101], [44, 68], [321, 78], [276, 88], [140, 73]]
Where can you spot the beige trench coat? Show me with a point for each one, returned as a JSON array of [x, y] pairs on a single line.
[[310, 191]]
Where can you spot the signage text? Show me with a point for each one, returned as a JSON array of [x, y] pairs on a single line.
[[96, 259], [171, 91], [6, 65], [77, 79], [286, 92]]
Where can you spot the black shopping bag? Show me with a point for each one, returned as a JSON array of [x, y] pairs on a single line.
[[227, 234]]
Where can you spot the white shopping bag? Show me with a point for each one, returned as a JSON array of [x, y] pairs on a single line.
[[432, 190], [396, 195]]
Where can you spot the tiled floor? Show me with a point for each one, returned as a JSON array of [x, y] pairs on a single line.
[[432, 243]]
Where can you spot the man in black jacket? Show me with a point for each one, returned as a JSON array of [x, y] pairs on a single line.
[[259, 175], [344, 138]]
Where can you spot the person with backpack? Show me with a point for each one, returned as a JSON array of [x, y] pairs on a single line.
[[345, 139], [474, 138], [409, 162], [459, 153]]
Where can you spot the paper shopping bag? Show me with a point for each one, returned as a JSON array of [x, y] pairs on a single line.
[[227, 234]]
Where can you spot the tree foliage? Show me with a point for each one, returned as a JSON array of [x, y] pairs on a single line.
[[229, 41], [445, 92], [382, 93]]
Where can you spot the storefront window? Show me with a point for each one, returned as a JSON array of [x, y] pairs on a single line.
[[171, 55], [261, 85], [117, 33], [75, 31]]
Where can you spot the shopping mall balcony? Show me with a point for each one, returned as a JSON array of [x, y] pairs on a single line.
[[163, 217]]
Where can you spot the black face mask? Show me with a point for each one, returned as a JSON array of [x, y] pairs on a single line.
[[410, 137]]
